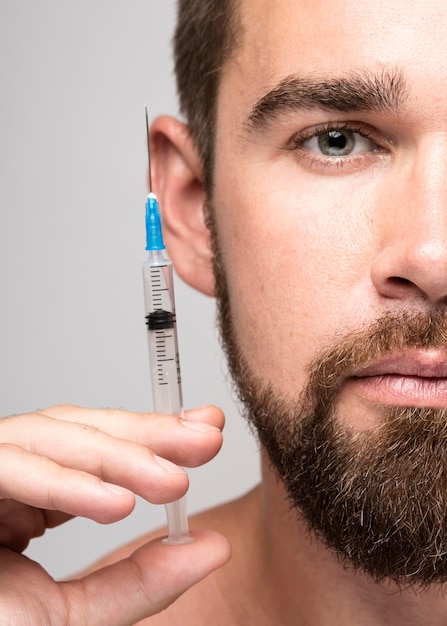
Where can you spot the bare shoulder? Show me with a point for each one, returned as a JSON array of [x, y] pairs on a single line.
[[216, 598]]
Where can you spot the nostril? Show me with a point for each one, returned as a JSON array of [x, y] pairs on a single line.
[[405, 272], [399, 282], [399, 287]]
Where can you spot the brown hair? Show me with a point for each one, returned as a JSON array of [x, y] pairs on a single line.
[[204, 39]]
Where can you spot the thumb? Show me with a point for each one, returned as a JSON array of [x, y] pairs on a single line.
[[145, 583]]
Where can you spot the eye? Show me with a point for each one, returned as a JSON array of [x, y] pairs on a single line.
[[337, 142], [334, 147]]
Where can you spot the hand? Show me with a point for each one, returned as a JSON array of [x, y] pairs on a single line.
[[68, 461]]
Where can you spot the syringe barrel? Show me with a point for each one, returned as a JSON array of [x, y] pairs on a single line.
[[162, 334], [164, 364]]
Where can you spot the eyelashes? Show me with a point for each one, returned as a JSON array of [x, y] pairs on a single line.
[[338, 145]]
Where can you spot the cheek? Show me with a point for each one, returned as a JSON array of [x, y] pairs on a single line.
[[292, 266]]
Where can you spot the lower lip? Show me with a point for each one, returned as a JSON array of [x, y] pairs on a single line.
[[398, 390]]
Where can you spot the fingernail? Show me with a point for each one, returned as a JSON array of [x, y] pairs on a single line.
[[201, 427], [199, 409], [167, 465]]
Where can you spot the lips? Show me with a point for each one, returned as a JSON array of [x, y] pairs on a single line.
[[412, 377], [419, 363]]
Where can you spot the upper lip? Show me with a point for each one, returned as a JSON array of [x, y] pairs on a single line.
[[428, 363]]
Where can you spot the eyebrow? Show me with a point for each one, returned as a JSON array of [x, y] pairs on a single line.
[[361, 91]]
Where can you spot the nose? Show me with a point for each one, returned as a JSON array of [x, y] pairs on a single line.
[[411, 262]]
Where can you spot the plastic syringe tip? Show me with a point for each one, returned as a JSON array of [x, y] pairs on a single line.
[[154, 237]]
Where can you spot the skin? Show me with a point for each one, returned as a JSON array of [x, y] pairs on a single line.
[[68, 461], [376, 224]]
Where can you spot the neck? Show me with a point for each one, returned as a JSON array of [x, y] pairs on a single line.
[[309, 583]]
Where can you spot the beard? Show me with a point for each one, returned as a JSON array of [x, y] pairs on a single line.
[[376, 498]]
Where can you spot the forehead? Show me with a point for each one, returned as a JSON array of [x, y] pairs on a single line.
[[327, 37]]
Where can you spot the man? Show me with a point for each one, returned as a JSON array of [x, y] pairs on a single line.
[[308, 194]]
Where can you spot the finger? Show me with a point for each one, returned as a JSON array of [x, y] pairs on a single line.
[[207, 414], [19, 523], [42, 483], [88, 449], [188, 442], [55, 518], [145, 583]]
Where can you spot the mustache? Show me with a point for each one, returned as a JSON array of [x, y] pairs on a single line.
[[389, 334]]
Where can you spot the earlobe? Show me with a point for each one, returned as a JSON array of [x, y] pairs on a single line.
[[177, 181]]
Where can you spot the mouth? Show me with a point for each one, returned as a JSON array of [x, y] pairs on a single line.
[[410, 378]]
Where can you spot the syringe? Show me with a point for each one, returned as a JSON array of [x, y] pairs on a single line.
[[162, 338]]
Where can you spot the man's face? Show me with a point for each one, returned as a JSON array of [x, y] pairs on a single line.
[[329, 202], [315, 245]]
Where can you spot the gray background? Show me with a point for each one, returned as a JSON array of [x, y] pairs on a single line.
[[74, 79]]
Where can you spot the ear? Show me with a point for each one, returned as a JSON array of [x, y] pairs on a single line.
[[177, 181]]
